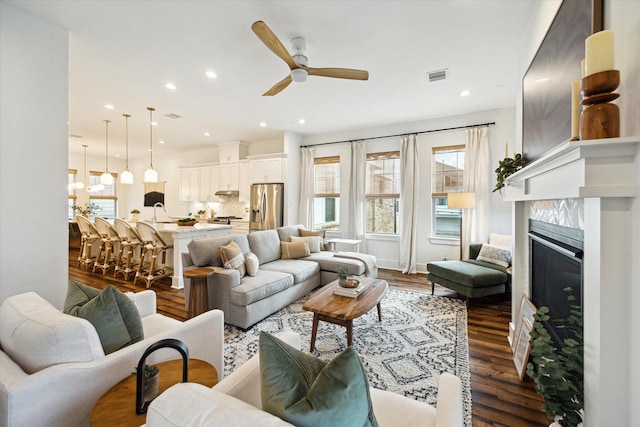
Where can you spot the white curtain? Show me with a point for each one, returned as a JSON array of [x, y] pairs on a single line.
[[476, 179], [305, 215], [409, 178], [353, 226]]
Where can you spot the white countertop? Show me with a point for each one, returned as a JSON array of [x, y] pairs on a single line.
[[182, 229]]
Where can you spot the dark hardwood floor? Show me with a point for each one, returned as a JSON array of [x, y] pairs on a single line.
[[499, 397]]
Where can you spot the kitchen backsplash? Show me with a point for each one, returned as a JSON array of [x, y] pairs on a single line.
[[230, 207]]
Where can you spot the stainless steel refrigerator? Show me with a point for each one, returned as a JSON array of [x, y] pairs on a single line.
[[266, 208]]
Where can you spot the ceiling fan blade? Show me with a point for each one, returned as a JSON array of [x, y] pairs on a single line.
[[339, 73], [270, 40], [278, 87]]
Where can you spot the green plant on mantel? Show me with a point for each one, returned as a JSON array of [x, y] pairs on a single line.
[[559, 374], [506, 167], [87, 209]]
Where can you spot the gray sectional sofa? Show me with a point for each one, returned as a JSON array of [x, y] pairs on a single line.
[[277, 283]]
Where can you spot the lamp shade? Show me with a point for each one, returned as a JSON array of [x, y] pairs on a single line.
[[106, 179], [461, 200], [150, 175], [126, 177]]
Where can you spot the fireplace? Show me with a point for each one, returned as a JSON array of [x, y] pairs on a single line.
[[555, 255]]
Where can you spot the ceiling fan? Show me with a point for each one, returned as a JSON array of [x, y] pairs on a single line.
[[298, 62]]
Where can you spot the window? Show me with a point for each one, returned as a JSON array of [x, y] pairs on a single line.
[[382, 192], [447, 170], [105, 199], [326, 202], [72, 179]]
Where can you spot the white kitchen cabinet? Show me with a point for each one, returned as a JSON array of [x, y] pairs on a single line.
[[214, 182], [229, 176], [189, 184], [244, 186], [268, 169], [209, 179], [232, 152]]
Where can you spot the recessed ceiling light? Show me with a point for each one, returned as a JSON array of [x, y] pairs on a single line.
[[160, 142], [206, 134], [211, 74], [302, 121], [263, 124], [170, 86], [465, 93], [109, 106], [154, 123]]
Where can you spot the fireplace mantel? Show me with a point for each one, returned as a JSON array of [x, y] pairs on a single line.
[[605, 175], [579, 169]]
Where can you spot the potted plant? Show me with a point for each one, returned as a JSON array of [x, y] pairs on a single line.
[[151, 381], [506, 167], [201, 214], [559, 374], [343, 275], [135, 215], [86, 210]]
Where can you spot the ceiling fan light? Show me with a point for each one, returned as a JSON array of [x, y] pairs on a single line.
[[150, 175], [126, 177], [299, 75], [106, 179]]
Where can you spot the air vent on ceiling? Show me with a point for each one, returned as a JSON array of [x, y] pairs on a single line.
[[173, 116], [437, 75], [73, 135]]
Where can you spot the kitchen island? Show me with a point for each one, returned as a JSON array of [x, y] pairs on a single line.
[[181, 236]]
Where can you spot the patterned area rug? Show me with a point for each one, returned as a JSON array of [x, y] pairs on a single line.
[[420, 337]]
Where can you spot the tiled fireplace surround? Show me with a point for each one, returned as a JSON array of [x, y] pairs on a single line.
[[591, 186]]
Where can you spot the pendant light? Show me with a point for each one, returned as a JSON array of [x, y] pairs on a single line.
[[151, 175], [106, 178], [126, 177]]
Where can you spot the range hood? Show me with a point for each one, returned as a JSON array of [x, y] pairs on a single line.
[[227, 193]]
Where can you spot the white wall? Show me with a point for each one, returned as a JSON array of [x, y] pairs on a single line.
[[33, 156], [387, 248]]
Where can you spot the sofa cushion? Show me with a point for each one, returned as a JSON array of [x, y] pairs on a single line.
[[495, 255], [202, 406], [285, 233], [467, 273], [308, 233], [37, 335], [265, 244], [232, 258], [294, 250], [300, 269], [204, 252], [306, 391], [264, 284], [314, 242], [329, 262], [114, 316], [252, 264]]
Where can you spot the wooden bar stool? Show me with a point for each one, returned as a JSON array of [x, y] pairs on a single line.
[[156, 248], [130, 243], [108, 248], [90, 235], [198, 295]]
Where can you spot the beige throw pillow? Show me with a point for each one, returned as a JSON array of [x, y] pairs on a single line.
[[307, 233], [294, 250], [314, 242], [232, 257]]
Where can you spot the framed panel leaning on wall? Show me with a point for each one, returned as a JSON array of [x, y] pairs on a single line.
[[523, 347], [526, 311]]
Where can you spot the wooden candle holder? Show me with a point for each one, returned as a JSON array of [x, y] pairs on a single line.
[[600, 118]]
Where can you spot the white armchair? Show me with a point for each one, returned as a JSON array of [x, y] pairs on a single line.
[[237, 401], [53, 369]]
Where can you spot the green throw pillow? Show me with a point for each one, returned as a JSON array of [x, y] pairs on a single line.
[[305, 391], [114, 316]]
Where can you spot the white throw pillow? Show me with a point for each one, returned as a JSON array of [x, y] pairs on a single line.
[[314, 242], [495, 254], [252, 264], [502, 240]]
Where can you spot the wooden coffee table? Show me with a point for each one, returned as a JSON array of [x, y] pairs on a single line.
[[117, 407], [341, 310]]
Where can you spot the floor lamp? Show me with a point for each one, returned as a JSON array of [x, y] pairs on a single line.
[[461, 201]]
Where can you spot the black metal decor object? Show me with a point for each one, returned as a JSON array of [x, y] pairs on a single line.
[[141, 404]]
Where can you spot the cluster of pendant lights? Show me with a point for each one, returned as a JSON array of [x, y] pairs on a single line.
[[126, 177]]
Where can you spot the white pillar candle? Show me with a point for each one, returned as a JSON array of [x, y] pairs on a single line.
[[575, 109], [582, 68], [506, 150], [599, 52]]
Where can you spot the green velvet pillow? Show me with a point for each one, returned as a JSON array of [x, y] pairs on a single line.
[[114, 316], [303, 390]]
